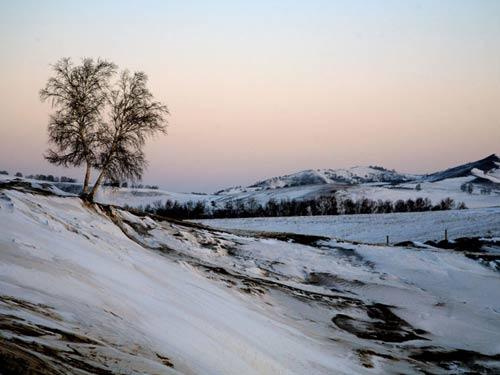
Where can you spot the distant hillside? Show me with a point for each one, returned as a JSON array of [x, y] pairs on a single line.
[[351, 176], [372, 174], [490, 163]]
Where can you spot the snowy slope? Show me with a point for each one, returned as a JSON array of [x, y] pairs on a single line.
[[89, 289], [74, 270]]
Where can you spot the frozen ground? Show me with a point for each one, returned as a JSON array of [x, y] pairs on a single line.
[[95, 289], [415, 226]]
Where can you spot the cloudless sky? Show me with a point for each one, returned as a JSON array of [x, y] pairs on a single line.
[[264, 88]]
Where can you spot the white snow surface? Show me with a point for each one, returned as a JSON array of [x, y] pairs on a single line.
[[493, 176], [373, 228]]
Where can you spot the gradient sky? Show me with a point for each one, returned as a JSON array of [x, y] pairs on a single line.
[[264, 88]]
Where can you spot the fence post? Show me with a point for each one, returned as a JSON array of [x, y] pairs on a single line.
[[387, 240]]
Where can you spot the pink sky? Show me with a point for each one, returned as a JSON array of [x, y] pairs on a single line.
[[267, 88]]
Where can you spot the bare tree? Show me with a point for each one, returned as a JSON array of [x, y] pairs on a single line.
[[78, 92], [134, 116]]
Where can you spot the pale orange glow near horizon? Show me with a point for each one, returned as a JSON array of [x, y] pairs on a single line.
[[267, 88]]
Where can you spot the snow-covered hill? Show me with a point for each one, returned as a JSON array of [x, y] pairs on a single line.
[[91, 289], [354, 175], [365, 175], [489, 164]]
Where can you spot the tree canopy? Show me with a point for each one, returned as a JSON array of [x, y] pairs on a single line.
[[79, 95]]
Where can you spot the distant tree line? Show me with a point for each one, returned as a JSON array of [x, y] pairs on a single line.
[[48, 177], [326, 205], [52, 178], [141, 186], [117, 184]]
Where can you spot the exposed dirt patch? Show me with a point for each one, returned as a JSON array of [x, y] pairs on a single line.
[[17, 360], [303, 239], [331, 281], [469, 361], [143, 230], [20, 327], [383, 325], [483, 257], [37, 308], [28, 348], [165, 360], [466, 244], [410, 244], [330, 300], [484, 250], [252, 287], [351, 255], [366, 357], [16, 325], [68, 336], [30, 357]]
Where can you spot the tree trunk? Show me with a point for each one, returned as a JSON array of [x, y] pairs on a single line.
[[87, 179], [91, 196]]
